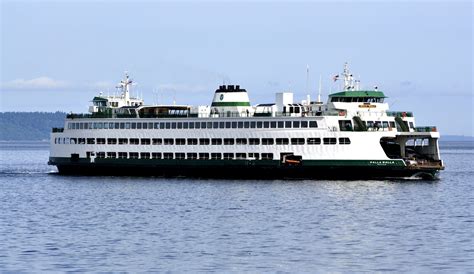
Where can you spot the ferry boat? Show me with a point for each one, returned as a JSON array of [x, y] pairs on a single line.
[[353, 135]]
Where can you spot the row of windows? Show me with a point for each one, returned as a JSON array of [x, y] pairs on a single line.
[[182, 156], [202, 141], [193, 125]]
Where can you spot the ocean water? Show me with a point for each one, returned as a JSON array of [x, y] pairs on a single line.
[[65, 223]]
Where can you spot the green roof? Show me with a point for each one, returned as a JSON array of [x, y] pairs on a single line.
[[359, 93], [96, 98]]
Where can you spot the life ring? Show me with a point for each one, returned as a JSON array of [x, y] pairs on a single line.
[[342, 113]]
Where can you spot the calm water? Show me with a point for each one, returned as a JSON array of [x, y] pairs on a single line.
[[57, 223]]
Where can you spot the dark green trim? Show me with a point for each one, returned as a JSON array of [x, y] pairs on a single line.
[[216, 163], [99, 99], [230, 104], [359, 93], [355, 163]]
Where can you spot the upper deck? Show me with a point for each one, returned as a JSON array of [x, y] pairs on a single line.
[[352, 109]]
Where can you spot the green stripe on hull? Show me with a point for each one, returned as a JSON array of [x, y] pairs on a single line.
[[361, 163], [217, 163], [230, 104]]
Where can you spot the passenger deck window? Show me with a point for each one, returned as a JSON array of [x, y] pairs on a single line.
[[267, 141], [216, 156], [313, 124], [282, 141], [215, 141], [191, 141], [344, 141], [329, 141], [297, 141], [204, 141], [313, 141], [254, 156], [254, 141], [203, 156], [229, 141], [192, 156], [240, 156], [228, 156], [241, 141]]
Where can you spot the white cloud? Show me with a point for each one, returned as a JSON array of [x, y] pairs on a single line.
[[42, 82]]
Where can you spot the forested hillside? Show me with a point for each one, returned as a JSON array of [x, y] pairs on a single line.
[[29, 125]]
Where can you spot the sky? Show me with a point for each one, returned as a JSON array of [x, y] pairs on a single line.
[[56, 55]]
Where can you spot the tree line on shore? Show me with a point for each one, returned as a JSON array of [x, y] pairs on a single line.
[[29, 126]]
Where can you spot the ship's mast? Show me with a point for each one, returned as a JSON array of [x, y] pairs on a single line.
[[348, 78], [125, 86]]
